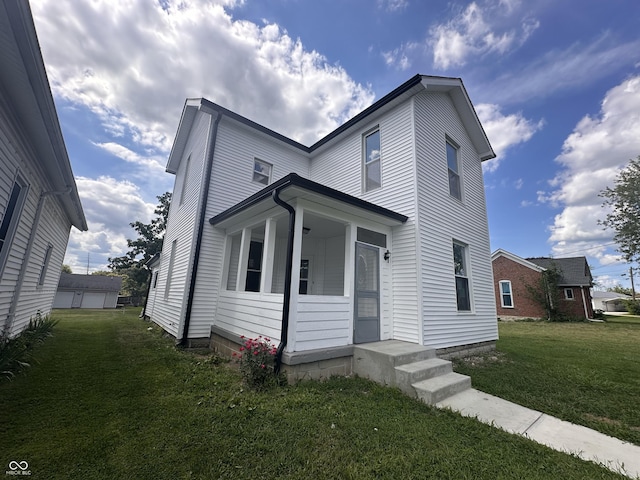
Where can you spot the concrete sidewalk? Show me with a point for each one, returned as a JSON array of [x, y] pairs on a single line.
[[612, 453]]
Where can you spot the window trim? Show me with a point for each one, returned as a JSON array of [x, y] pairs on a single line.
[[569, 297], [257, 161], [466, 276], [172, 259], [10, 223], [45, 265], [502, 294], [366, 163], [185, 180], [458, 174]]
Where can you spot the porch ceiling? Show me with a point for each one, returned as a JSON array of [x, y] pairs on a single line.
[[293, 187]]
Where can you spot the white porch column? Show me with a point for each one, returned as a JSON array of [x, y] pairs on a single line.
[[295, 279], [268, 255], [350, 235], [245, 243]]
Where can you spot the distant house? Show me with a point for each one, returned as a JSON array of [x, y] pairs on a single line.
[[513, 274], [39, 201], [378, 231], [610, 301], [87, 291]]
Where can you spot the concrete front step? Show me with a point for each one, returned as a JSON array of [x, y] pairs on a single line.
[[434, 390], [411, 373], [377, 361]]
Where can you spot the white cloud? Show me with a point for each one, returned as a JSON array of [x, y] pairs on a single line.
[[478, 30], [393, 5], [399, 57], [136, 74], [109, 206], [576, 66], [591, 157], [504, 131]]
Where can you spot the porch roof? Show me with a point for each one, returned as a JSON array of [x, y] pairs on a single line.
[[294, 186]]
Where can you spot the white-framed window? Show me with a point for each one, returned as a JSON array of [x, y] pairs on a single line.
[[506, 294], [254, 266], [185, 181], [172, 259], [11, 218], [453, 167], [568, 294], [262, 171], [155, 280], [371, 165], [461, 271], [45, 264]]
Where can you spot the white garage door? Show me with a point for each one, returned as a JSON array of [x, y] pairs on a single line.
[[93, 300], [63, 300]]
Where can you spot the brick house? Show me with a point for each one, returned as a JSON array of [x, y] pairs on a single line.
[[512, 275]]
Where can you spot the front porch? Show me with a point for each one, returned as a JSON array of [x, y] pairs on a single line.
[[316, 277]]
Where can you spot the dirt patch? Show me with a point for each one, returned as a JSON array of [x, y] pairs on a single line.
[[608, 421]]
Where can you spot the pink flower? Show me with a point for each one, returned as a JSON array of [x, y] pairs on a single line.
[[241, 336], [242, 349], [263, 366], [256, 352]]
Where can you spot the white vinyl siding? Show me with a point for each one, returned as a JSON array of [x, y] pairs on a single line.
[[340, 167], [236, 148], [442, 218], [17, 160]]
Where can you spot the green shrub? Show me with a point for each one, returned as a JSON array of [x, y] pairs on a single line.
[[633, 306], [17, 352]]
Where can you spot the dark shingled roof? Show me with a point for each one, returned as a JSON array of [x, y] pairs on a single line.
[[574, 271], [103, 283]]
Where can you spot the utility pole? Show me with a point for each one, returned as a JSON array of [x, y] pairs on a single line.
[[88, 254], [633, 289]]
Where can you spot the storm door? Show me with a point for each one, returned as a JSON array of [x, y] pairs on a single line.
[[367, 294]]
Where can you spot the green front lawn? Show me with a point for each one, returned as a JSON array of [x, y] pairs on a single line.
[[586, 373], [111, 399]]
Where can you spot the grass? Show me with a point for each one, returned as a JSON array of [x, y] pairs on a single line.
[[111, 399], [586, 373]]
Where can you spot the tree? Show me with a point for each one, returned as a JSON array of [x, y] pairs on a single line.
[[620, 289], [141, 249], [545, 292], [624, 219], [66, 269]]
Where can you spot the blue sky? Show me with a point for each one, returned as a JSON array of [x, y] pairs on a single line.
[[555, 84]]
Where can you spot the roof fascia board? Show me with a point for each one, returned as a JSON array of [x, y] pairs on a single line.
[[514, 258], [456, 89]]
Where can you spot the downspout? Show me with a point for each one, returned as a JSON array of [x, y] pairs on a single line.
[[203, 210], [27, 254], [284, 332], [584, 303]]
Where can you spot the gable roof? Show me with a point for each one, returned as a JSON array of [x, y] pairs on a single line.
[[25, 86], [574, 271], [90, 282], [514, 258], [452, 86]]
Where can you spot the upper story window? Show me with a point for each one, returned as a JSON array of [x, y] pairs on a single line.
[[185, 182], [568, 293], [45, 264], [261, 171], [371, 171], [463, 293], [453, 166], [506, 297]]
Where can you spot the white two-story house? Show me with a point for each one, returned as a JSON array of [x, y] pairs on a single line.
[[377, 231]]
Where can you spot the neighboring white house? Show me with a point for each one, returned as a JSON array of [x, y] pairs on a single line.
[[609, 301], [87, 291], [379, 228], [38, 197]]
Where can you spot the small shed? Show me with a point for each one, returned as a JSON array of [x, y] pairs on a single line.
[[87, 291], [610, 301]]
